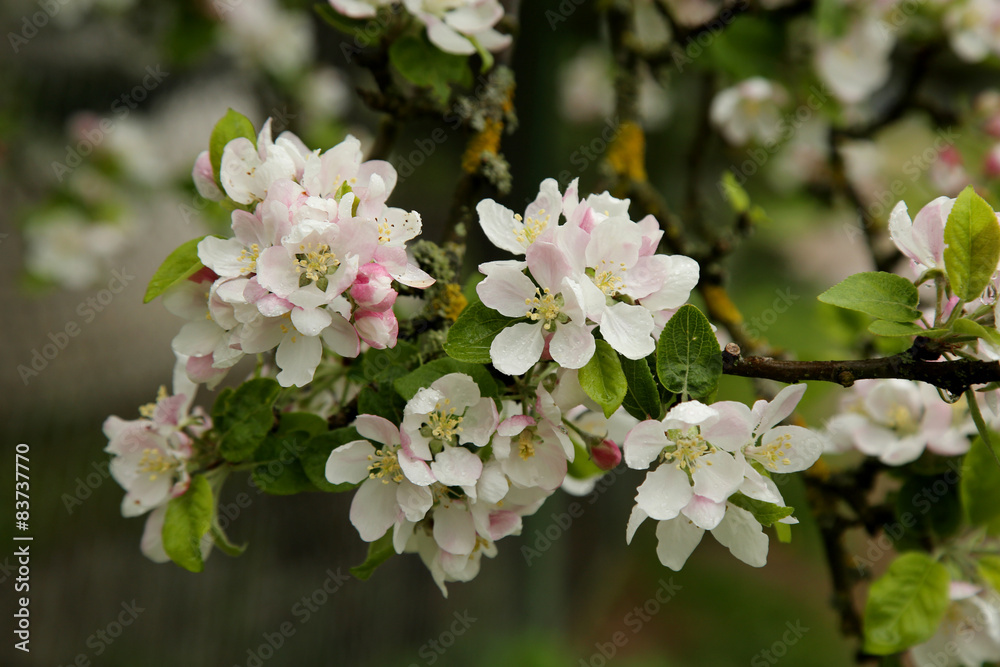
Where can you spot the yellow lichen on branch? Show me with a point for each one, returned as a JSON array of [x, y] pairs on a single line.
[[484, 144], [627, 153]]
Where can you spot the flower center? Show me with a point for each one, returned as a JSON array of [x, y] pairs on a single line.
[[688, 448], [526, 445], [773, 452], [609, 278], [154, 462], [444, 422], [544, 307], [314, 263], [249, 255], [533, 228], [149, 409], [902, 420], [385, 465]]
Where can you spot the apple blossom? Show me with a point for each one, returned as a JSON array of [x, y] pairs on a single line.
[[750, 110], [969, 634]]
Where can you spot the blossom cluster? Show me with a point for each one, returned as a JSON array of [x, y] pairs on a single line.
[[455, 476], [312, 261], [596, 269], [461, 27], [151, 456], [704, 455]]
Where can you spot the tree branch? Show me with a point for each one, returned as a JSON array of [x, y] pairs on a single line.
[[917, 363]]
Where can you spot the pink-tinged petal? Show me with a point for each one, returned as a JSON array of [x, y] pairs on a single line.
[[544, 467], [514, 425], [414, 500], [239, 162], [341, 337], [348, 464], [690, 413], [780, 407], [787, 449], [758, 486], [507, 291], [504, 523], [311, 321], [414, 468], [201, 370], [272, 305], [448, 40], [629, 330], [572, 345], [378, 429], [204, 178], [734, 428], [517, 348], [456, 466], [479, 423], [151, 544], [664, 493], [704, 512], [498, 223], [717, 476], [379, 330], [548, 264], [928, 229], [297, 356], [222, 256], [615, 241], [644, 443], [276, 271], [681, 276], [374, 509], [743, 536], [454, 530], [249, 229], [197, 339], [676, 540], [634, 521]]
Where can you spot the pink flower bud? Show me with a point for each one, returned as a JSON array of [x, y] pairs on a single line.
[[204, 178], [606, 455], [992, 164], [372, 289], [378, 329]]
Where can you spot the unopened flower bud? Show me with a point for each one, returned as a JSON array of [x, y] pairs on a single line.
[[372, 289], [606, 454], [204, 178]]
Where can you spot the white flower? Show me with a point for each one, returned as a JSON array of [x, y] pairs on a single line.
[[974, 28], [533, 450], [460, 26], [969, 634], [856, 64], [64, 247], [922, 239], [750, 110]]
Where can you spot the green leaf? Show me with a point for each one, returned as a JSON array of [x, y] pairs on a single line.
[[784, 532], [307, 422], [222, 541], [879, 294], [989, 569], [582, 467], [964, 327], [972, 245], [379, 552], [765, 513], [642, 400], [925, 505], [423, 64], [179, 265], [603, 380], [980, 485], [906, 605], [423, 376], [737, 197], [244, 417], [898, 329], [381, 400], [688, 358], [469, 339], [187, 520], [316, 453], [231, 126]]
